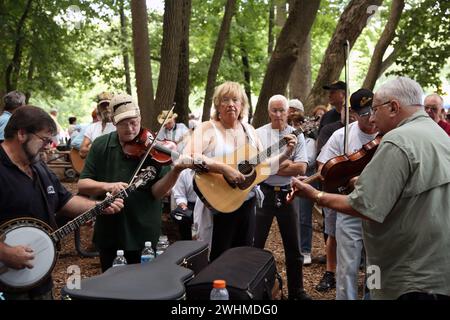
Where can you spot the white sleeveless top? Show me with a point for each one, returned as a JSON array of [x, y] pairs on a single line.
[[202, 215]]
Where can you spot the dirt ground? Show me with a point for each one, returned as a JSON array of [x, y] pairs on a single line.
[[91, 266]]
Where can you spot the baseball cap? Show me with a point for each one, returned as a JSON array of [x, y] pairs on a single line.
[[361, 101], [337, 85], [123, 107]]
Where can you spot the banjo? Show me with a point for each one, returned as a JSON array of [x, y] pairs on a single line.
[[40, 237]]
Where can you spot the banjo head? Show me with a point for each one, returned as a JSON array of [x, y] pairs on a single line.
[[34, 234]]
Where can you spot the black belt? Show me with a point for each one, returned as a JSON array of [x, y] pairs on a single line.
[[285, 188]]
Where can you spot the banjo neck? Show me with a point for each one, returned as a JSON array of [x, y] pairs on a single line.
[[74, 224]]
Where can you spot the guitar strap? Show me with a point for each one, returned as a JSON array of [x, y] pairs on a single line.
[[249, 137], [51, 215]]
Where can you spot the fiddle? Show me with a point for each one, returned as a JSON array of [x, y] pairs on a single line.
[[162, 150], [338, 171]]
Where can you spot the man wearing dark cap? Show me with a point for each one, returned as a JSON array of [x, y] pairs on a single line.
[[336, 97], [348, 230], [329, 123], [109, 169]]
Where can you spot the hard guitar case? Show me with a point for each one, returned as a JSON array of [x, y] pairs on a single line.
[[162, 279]]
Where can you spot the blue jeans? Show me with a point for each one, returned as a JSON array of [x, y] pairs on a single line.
[[305, 219]]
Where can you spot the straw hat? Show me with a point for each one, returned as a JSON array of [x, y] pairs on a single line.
[[163, 115]]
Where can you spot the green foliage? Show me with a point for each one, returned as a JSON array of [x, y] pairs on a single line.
[[322, 30], [423, 42], [72, 63]]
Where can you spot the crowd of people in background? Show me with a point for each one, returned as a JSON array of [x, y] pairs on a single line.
[[357, 230]]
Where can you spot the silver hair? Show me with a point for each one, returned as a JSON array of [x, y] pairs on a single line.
[[278, 97], [13, 100], [435, 95], [407, 91]]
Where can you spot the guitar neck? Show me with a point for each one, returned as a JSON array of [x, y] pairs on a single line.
[[74, 224], [273, 149]]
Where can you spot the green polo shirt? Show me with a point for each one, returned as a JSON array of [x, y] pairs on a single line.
[[406, 190], [140, 219]]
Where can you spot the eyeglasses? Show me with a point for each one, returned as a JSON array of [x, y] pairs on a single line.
[[435, 108], [228, 100], [373, 109], [44, 140], [365, 114]]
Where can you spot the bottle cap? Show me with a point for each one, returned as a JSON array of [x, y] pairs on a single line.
[[163, 238], [120, 252], [148, 243], [219, 284]]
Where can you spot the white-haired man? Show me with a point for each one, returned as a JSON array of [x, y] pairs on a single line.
[[275, 189], [434, 106]]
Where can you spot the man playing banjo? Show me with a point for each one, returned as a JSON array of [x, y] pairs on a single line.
[[30, 189]]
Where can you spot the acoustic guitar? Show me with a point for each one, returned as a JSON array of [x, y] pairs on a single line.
[[42, 239], [218, 193], [76, 160]]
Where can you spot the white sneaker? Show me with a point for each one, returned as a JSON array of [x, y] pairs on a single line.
[[306, 259]]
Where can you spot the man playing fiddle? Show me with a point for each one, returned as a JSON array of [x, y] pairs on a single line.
[[347, 229], [108, 169], [403, 195]]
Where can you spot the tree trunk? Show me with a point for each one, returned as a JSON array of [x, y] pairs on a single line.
[[291, 40], [124, 35], [301, 81], [385, 40], [389, 61], [142, 65], [217, 55], [13, 69], [183, 85], [350, 25], [170, 57], [247, 77], [271, 25], [29, 80]]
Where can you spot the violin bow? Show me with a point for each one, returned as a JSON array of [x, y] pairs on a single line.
[[133, 177], [347, 93]]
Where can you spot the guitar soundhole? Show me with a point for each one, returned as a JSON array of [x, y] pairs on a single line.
[[249, 172], [245, 168]]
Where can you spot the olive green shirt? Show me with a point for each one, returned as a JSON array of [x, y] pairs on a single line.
[[140, 219], [405, 189]]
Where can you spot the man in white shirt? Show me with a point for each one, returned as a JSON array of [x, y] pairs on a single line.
[[172, 131], [348, 230], [184, 196], [98, 128], [275, 190]]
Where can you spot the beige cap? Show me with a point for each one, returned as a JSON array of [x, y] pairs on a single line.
[[296, 104], [123, 107], [104, 97]]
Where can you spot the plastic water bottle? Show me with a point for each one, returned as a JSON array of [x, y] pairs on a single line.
[[219, 290], [194, 231], [147, 253], [119, 260], [162, 245]]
